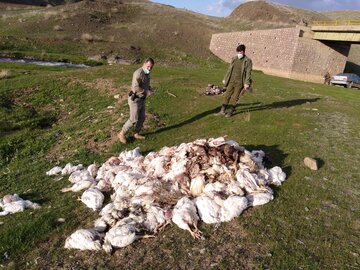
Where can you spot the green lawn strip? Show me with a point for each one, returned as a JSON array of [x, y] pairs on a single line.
[[310, 224]]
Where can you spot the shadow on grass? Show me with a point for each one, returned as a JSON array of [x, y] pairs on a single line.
[[34, 197], [279, 104], [320, 162], [273, 156], [255, 106]]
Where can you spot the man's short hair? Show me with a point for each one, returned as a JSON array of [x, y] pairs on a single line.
[[149, 60], [240, 48]]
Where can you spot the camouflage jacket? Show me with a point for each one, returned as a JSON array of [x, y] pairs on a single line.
[[246, 71]]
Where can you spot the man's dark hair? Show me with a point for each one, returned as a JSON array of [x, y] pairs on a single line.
[[149, 60], [240, 48]]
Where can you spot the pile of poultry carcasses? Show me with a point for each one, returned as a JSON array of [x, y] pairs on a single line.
[[213, 90], [212, 180]]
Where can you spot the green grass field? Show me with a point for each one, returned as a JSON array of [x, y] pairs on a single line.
[[51, 116]]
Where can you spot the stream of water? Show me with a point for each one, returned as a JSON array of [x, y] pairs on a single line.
[[42, 63]]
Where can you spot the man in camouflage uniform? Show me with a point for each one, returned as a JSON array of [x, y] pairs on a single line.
[[237, 79], [140, 89]]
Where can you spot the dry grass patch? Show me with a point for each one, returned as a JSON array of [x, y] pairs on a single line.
[[4, 73]]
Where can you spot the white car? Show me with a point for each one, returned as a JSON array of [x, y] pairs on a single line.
[[347, 80]]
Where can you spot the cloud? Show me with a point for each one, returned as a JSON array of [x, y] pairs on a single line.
[[224, 6]]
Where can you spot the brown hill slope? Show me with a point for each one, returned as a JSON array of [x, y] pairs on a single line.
[[263, 11], [342, 14], [91, 27], [38, 2], [122, 27]]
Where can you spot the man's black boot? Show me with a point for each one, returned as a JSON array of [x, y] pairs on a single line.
[[222, 110], [231, 112]]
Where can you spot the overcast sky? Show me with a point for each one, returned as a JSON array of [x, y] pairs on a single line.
[[225, 7]]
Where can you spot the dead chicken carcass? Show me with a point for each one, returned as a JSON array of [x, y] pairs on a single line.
[[93, 198], [84, 240], [185, 217]]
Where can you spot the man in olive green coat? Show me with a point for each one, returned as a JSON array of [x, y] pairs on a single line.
[[140, 89], [237, 78]]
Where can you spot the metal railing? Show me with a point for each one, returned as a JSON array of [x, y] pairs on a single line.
[[336, 23]]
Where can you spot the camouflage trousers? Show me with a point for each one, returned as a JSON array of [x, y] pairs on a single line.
[[232, 94]]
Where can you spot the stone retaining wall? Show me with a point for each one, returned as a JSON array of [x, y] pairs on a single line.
[[286, 52]]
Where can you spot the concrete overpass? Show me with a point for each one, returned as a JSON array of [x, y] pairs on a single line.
[[341, 30]]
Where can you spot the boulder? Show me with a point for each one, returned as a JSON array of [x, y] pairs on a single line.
[[311, 163]]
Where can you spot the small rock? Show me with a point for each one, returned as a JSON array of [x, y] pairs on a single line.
[[311, 163], [117, 96], [61, 220], [354, 254], [1, 223], [110, 107]]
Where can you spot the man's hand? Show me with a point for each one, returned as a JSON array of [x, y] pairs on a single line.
[[246, 86]]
